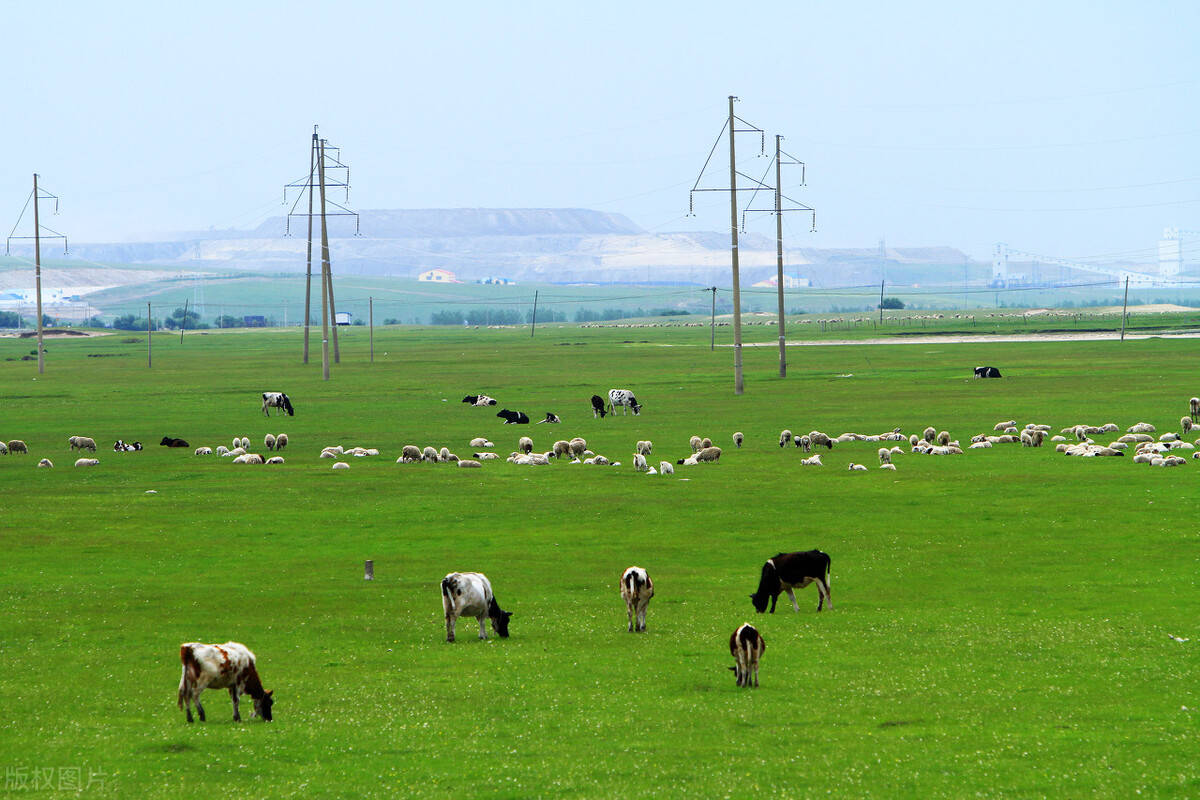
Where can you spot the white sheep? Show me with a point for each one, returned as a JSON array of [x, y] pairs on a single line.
[[45, 462], [561, 448], [666, 468], [804, 442], [336, 448], [82, 443], [857, 468], [204, 451], [248, 458], [341, 465], [694, 442], [999, 426], [479, 441], [466, 463], [1141, 427], [929, 434], [978, 445], [709, 454], [812, 461], [430, 455], [785, 437], [485, 456], [578, 446], [3, 449], [222, 449], [525, 445], [639, 462], [280, 442], [892, 467], [645, 448], [444, 455], [885, 455], [269, 441], [738, 438], [705, 443], [943, 438], [87, 462], [913, 439], [234, 453], [275, 460]]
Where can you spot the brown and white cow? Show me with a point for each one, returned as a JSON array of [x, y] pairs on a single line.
[[784, 572], [221, 666], [746, 646], [637, 589]]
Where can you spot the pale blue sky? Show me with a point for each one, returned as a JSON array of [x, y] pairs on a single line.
[[1068, 129]]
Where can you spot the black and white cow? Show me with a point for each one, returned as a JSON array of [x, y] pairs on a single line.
[[987, 372], [277, 400], [625, 399], [784, 572], [551, 418], [479, 400], [469, 594], [746, 645], [121, 446], [167, 441], [598, 407], [513, 417], [636, 590], [221, 666]]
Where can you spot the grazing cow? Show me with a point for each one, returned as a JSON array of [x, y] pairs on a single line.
[[598, 408], [636, 589], [551, 418], [221, 666], [784, 572], [987, 372], [469, 594], [513, 417], [625, 399], [277, 400], [167, 441], [746, 645]]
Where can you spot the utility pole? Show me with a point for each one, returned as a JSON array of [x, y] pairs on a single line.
[[712, 325], [731, 128], [533, 327], [325, 296], [312, 155], [371, 324], [881, 302], [149, 339], [35, 197], [1124, 308]]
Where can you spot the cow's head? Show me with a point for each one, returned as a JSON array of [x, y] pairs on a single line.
[[166, 441], [469, 399], [500, 623], [759, 601], [637, 408], [262, 705], [287, 406]]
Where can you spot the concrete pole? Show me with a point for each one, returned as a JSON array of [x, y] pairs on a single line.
[[37, 275], [149, 339], [779, 259], [312, 154], [1125, 308], [738, 385], [325, 295], [371, 323]]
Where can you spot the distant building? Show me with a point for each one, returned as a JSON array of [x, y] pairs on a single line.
[[439, 276], [788, 283], [254, 321], [342, 318], [491, 279]]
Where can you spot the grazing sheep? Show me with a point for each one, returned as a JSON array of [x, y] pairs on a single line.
[[222, 449], [17, 446], [812, 461], [269, 441], [639, 462], [561, 448], [705, 443], [1194, 407], [636, 591], [204, 451], [694, 443], [467, 463], [525, 445], [430, 455], [3, 449], [999, 426], [275, 460], [885, 455], [87, 462], [444, 455], [578, 446], [892, 467], [785, 437], [943, 438], [913, 439], [82, 443], [666, 468], [819, 439], [645, 448], [804, 442], [45, 462], [709, 454], [929, 434], [1186, 425], [341, 465], [410, 454], [281, 442], [738, 438], [237, 442]]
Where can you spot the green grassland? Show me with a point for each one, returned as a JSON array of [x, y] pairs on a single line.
[[1000, 626]]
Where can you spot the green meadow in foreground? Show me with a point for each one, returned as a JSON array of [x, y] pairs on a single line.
[[1002, 621]]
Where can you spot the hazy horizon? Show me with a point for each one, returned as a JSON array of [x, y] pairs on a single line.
[[1067, 130]]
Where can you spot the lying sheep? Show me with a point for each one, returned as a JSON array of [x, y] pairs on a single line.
[[234, 453], [45, 462], [479, 441], [785, 438], [269, 441], [222, 449], [978, 445], [485, 456], [666, 468], [466, 463], [1141, 427], [857, 468], [1169, 437], [275, 460], [86, 462], [999, 426], [341, 465], [1170, 461], [248, 458], [204, 451], [738, 438], [812, 461], [892, 467], [525, 445], [336, 448], [3, 448]]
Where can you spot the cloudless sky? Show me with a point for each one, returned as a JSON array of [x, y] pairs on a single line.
[[1066, 128]]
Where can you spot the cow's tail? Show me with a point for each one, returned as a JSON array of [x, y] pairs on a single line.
[[191, 671], [448, 587]]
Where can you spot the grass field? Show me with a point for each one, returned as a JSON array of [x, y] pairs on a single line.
[[1000, 627]]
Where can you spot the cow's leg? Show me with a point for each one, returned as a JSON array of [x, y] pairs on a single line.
[[641, 615], [483, 627], [755, 674], [450, 620], [792, 596], [629, 613], [237, 712], [199, 708], [187, 705], [823, 594], [774, 598]]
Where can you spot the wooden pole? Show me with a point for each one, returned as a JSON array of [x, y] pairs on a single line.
[[368, 570], [183, 324], [779, 259], [881, 302], [312, 154], [149, 338], [37, 275], [533, 326], [712, 324], [1125, 308], [371, 324], [738, 384], [325, 295]]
